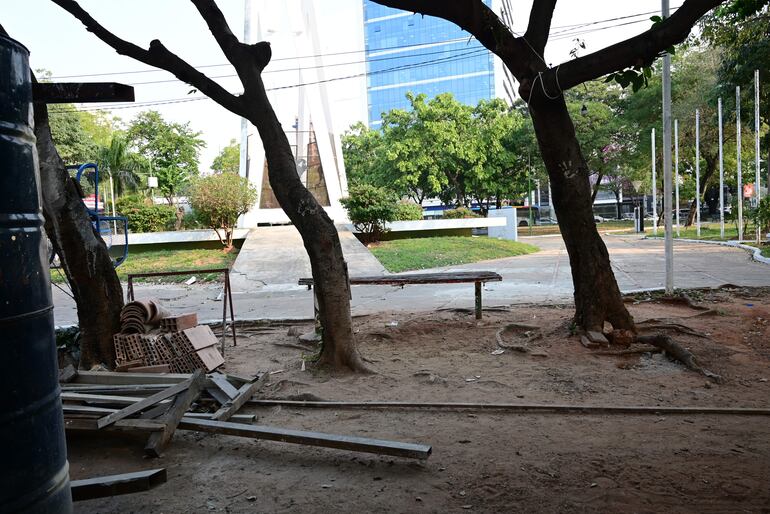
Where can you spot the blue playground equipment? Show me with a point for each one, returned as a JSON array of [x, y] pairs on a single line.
[[101, 222]]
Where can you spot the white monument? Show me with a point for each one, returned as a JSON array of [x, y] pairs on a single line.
[[306, 111]]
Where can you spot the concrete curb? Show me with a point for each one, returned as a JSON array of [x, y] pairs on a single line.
[[756, 253]]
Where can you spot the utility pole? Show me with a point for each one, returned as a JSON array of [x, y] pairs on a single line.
[[654, 190], [697, 172], [529, 189], [721, 176], [676, 174], [244, 157], [669, 236], [738, 170], [757, 178]]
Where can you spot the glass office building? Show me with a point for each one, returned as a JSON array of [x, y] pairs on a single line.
[[422, 54]]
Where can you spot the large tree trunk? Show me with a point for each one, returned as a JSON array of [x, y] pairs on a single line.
[[597, 296], [83, 254], [319, 235]]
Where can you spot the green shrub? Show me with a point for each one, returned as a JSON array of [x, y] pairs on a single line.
[[143, 216], [459, 213], [761, 216], [369, 208], [193, 221], [218, 201], [407, 211]]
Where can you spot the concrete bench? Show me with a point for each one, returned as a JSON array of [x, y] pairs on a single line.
[[448, 277]]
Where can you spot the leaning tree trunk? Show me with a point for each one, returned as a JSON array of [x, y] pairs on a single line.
[[83, 254], [319, 235], [597, 296]]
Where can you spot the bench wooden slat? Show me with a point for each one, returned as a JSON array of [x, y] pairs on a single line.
[[455, 277]]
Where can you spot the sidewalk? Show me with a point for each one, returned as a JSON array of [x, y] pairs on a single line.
[[269, 290]]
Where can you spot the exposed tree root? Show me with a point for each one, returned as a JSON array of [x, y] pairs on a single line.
[[658, 324], [631, 351], [517, 347], [678, 352]]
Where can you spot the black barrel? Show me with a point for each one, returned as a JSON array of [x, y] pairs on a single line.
[[33, 456]]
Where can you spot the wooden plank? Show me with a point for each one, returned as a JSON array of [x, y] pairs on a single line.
[[130, 425], [452, 277], [67, 374], [81, 92], [158, 441], [100, 398], [341, 442], [113, 485], [221, 382], [114, 378], [218, 395], [114, 389], [522, 407], [146, 402], [244, 394], [89, 410]]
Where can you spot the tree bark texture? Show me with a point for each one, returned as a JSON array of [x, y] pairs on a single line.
[[319, 236], [83, 254], [316, 228], [597, 296]]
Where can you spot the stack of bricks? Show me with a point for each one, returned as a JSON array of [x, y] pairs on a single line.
[[184, 346]]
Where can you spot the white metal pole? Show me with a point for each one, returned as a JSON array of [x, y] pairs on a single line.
[[721, 176], [676, 173], [244, 155], [112, 200], [654, 192], [738, 168], [669, 236], [697, 173], [757, 178]]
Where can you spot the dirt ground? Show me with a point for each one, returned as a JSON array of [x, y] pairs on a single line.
[[484, 461]]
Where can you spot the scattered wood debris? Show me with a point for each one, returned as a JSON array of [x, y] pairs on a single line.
[[161, 403]]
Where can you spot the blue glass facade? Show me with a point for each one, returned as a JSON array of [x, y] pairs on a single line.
[[422, 54]]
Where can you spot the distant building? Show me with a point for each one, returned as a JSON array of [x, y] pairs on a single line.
[[423, 54]]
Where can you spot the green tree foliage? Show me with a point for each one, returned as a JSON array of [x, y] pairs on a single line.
[[219, 200], [407, 211], [170, 148], [116, 160], [370, 208], [228, 160], [73, 142], [440, 147], [144, 216]]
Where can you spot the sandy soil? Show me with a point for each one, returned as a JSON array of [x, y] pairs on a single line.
[[484, 461]]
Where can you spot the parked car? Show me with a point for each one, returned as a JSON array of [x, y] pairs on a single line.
[[599, 219]]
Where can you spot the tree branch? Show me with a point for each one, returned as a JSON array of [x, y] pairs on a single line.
[[540, 24], [641, 50], [474, 17], [158, 56], [219, 28]]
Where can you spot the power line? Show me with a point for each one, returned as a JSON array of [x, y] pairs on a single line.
[[568, 29], [122, 105]]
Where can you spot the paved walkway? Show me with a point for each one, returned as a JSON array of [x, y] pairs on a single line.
[[274, 258], [271, 292]]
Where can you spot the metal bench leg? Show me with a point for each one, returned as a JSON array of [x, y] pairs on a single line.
[[316, 314], [478, 300]]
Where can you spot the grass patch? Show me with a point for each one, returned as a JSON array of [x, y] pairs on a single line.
[[766, 251], [544, 230], [170, 260], [432, 252]]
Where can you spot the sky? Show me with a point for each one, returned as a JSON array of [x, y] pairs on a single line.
[[61, 45]]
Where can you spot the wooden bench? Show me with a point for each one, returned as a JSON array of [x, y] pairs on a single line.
[[402, 279]]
